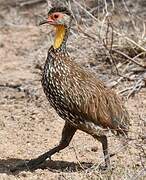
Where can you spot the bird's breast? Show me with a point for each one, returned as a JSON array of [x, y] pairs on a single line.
[[54, 82]]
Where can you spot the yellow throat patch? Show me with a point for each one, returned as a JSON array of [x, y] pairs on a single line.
[[60, 32]]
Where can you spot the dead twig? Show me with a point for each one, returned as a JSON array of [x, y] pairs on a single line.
[[129, 58], [141, 173], [30, 2], [105, 26], [13, 86], [80, 162], [105, 42], [133, 89], [86, 34], [78, 158], [139, 84]]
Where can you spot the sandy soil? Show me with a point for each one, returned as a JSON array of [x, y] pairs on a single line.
[[29, 126]]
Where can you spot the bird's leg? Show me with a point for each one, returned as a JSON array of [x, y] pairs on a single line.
[[67, 134], [103, 140]]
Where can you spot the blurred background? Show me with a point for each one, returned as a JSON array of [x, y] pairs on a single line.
[[108, 37]]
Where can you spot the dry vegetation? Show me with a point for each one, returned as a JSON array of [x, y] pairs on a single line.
[[108, 38]]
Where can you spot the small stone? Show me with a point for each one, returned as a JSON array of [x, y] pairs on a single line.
[[94, 149]]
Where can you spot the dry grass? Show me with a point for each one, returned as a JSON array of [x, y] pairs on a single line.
[[124, 49]]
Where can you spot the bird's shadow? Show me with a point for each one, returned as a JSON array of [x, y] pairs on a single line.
[[54, 166]]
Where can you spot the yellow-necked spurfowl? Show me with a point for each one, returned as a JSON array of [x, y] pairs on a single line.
[[79, 98]]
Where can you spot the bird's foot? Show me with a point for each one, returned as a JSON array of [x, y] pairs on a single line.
[[20, 166], [28, 165]]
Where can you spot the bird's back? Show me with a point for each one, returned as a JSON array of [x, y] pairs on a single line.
[[80, 98]]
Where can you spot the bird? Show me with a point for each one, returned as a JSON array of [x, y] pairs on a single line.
[[84, 102]]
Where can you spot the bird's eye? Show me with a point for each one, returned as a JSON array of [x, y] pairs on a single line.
[[55, 16]]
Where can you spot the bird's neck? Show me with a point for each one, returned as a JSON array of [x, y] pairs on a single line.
[[61, 37]]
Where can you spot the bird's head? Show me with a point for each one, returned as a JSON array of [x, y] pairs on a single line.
[[60, 18]]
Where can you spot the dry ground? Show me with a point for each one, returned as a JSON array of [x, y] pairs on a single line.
[[29, 126]]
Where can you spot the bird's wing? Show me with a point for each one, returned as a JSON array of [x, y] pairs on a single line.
[[91, 100]]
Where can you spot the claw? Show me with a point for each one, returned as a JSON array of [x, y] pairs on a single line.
[[20, 166], [28, 165]]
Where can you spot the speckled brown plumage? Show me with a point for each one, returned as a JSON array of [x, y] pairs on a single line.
[[82, 100]]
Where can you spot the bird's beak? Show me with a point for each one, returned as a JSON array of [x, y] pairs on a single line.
[[43, 22], [46, 21]]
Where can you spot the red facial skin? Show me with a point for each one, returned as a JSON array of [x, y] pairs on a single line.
[[53, 18]]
